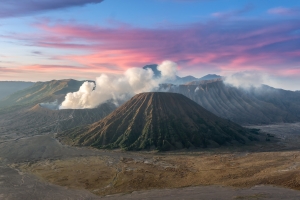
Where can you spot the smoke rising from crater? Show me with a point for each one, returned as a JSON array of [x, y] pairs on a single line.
[[246, 79], [106, 87], [50, 105]]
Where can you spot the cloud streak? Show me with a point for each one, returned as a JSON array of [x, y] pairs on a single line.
[[233, 44], [9, 70], [284, 11], [16, 8], [233, 13], [220, 46]]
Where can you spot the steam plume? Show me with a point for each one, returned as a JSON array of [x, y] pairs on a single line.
[[106, 87], [246, 79], [51, 105]]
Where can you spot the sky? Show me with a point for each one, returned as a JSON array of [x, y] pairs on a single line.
[[41, 40]]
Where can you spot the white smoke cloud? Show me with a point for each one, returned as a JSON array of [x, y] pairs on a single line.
[[133, 81], [168, 70], [246, 79], [50, 105]]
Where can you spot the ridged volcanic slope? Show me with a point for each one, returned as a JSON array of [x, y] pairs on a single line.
[[41, 92], [262, 105], [163, 121], [37, 120]]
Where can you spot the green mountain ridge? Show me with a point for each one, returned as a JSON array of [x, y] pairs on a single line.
[[41, 92]]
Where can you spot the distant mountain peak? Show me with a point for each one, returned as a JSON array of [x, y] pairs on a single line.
[[210, 76], [181, 80], [153, 67]]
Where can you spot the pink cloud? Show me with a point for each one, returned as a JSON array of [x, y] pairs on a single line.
[[215, 45], [39, 72], [45, 68], [9, 70], [290, 72], [92, 68]]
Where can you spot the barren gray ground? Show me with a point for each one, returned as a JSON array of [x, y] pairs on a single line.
[[289, 134], [15, 184], [213, 192]]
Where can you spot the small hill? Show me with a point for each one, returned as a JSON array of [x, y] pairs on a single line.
[[9, 87], [163, 121]]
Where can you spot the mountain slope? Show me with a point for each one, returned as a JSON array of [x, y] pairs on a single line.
[[36, 120], [163, 121], [283, 99], [210, 77], [10, 87], [263, 105], [42, 92]]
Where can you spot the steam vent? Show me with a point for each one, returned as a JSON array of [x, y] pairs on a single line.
[[161, 121]]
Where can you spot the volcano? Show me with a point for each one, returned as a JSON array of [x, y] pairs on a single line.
[[162, 121]]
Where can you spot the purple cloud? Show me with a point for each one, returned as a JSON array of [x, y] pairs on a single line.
[[269, 45], [15, 8]]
